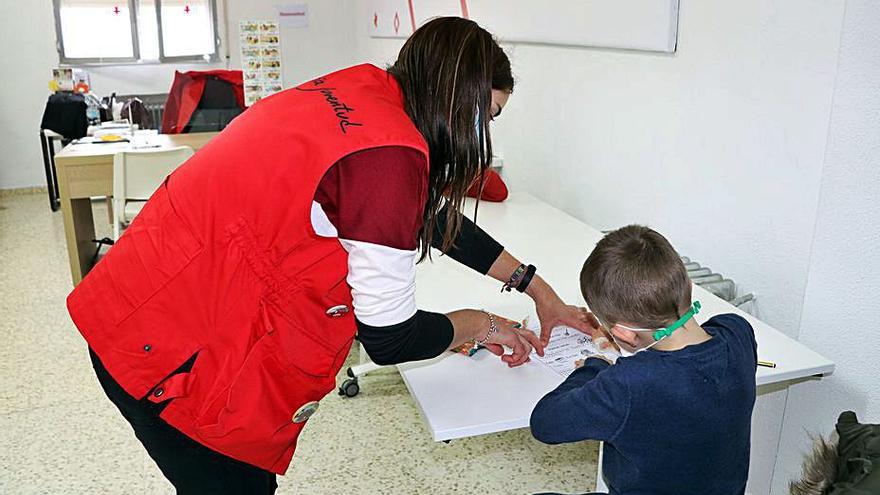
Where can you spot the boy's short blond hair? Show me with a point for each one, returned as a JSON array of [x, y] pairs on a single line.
[[634, 276]]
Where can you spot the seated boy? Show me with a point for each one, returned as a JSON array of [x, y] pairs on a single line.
[[676, 418]]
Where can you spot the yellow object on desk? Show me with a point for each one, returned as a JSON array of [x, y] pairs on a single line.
[[766, 364]]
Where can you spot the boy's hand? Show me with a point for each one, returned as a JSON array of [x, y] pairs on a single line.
[[598, 333], [605, 342]]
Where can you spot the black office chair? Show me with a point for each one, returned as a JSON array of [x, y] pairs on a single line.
[[216, 109]]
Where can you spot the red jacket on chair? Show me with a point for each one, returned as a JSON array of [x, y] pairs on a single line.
[[223, 263], [186, 91]]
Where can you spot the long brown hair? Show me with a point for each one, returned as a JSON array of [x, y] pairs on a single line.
[[447, 70]]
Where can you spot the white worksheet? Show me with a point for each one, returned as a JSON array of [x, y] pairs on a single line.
[[566, 346]]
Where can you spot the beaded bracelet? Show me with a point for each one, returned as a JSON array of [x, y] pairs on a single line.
[[493, 329], [515, 279]]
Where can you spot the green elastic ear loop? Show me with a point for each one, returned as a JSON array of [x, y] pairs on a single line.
[[666, 332]]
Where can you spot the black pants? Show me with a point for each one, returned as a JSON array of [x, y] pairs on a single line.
[[191, 467]]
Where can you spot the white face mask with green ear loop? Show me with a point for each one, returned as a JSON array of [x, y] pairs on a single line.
[[658, 334]]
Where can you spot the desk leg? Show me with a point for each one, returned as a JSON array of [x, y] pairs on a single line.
[[79, 230], [600, 482]]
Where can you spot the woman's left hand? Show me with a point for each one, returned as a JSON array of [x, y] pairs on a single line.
[[554, 313], [559, 313]]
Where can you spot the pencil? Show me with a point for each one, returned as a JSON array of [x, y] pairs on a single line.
[[766, 364]]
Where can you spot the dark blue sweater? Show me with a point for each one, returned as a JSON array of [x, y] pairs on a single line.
[[673, 423]]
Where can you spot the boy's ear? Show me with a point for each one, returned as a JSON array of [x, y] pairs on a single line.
[[623, 334]]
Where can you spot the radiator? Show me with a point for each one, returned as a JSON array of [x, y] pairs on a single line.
[[715, 283], [155, 110], [154, 103]]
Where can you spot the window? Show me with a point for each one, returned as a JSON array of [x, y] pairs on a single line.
[[113, 31]]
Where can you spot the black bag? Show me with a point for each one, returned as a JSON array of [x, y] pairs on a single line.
[[66, 114], [138, 112]]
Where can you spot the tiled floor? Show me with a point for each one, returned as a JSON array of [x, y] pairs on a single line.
[[60, 435]]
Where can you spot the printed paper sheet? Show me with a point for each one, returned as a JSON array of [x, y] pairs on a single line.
[[566, 346]]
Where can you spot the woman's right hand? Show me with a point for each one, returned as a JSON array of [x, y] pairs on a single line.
[[521, 341], [471, 325]]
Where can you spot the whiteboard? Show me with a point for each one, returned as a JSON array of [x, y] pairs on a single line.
[[650, 25]]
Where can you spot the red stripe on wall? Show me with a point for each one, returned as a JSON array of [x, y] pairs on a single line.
[[412, 15], [464, 9]]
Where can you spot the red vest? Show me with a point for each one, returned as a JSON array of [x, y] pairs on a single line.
[[223, 262]]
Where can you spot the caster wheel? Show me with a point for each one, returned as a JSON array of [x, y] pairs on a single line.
[[349, 372], [349, 388]]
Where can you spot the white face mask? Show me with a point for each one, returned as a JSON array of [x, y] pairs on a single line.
[[627, 350], [659, 334]]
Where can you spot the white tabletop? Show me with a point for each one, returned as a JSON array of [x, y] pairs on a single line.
[[465, 396]]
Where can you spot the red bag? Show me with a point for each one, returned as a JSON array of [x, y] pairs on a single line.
[[494, 188]]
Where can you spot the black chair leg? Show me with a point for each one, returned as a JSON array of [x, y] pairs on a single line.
[[51, 180], [57, 201]]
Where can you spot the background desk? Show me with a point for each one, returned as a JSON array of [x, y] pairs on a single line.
[[462, 397], [86, 170]]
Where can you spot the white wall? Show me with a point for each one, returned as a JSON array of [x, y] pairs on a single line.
[[735, 122], [719, 146], [326, 45], [840, 306], [27, 57]]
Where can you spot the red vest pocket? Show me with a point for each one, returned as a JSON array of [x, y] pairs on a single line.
[[323, 308], [153, 250], [261, 416]]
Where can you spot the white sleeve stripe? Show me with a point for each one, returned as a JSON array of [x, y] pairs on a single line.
[[383, 282], [321, 223]]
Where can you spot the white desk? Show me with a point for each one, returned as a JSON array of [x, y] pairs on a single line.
[[86, 170], [462, 397]]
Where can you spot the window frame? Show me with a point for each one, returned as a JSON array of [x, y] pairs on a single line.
[[135, 59], [215, 57], [59, 40]]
